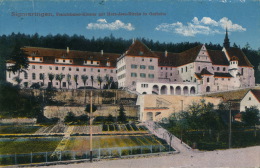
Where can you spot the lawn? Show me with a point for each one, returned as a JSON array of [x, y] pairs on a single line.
[[82, 143], [27, 145], [18, 129]]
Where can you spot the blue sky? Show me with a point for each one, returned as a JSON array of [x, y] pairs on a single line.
[[180, 21]]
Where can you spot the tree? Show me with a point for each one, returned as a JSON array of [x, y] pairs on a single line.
[[251, 117], [68, 80], [110, 118], [92, 80], [59, 77], [70, 117], [51, 77], [42, 77], [122, 115], [84, 79], [76, 77], [35, 86], [108, 80], [100, 80], [20, 62]]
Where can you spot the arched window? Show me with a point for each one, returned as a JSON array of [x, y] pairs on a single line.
[[224, 69], [199, 68], [208, 80], [217, 68]]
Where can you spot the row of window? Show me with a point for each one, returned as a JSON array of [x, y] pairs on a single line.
[[70, 69], [121, 76], [63, 60], [150, 67], [150, 59], [33, 59], [122, 68], [91, 62], [42, 76], [166, 68], [218, 68], [142, 75], [144, 85]]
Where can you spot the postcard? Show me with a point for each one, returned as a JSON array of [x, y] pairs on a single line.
[[130, 83]]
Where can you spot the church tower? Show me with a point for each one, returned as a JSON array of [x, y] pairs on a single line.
[[226, 43]]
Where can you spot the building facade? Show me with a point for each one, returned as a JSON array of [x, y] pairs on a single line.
[[194, 71], [252, 98]]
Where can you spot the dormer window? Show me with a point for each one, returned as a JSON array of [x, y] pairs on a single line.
[[141, 53], [56, 60], [64, 60], [33, 58]]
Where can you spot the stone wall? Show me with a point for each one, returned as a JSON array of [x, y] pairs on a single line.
[[103, 110], [77, 97]]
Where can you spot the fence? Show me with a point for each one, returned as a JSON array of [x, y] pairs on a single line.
[[101, 153]]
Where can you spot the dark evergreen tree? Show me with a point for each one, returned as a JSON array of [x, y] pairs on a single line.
[[122, 116]]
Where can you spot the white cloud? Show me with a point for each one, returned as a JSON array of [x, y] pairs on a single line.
[[209, 21], [204, 26], [116, 25]]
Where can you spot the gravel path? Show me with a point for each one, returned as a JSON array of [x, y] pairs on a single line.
[[244, 157]]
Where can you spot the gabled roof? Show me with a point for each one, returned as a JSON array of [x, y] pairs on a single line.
[[169, 60], [139, 49], [178, 59], [242, 59], [256, 93], [189, 56], [50, 54], [222, 75], [218, 57], [204, 71]]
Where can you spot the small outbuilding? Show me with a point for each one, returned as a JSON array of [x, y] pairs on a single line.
[[251, 98]]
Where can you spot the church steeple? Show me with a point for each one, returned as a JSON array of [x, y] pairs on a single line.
[[226, 43]]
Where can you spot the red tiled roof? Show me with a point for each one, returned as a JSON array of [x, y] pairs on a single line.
[[256, 93], [78, 57], [242, 59], [139, 49], [189, 56], [178, 59], [218, 57], [219, 74], [169, 60]]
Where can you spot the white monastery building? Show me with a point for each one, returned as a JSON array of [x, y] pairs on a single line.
[[194, 71]]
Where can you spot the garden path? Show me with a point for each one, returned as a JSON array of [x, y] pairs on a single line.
[[172, 140]]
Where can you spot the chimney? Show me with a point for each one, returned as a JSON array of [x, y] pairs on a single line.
[[68, 50], [133, 41], [165, 53], [101, 52]]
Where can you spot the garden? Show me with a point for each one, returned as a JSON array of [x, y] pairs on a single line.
[[206, 128], [22, 129]]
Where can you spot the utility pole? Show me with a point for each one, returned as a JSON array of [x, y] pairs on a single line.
[[181, 105], [230, 122], [90, 127]]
